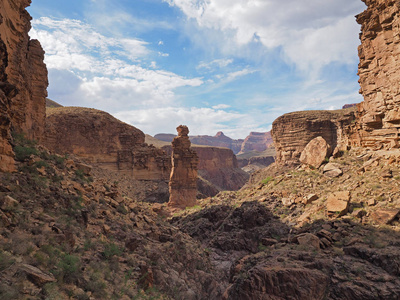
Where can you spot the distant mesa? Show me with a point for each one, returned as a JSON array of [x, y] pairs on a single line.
[[253, 153], [349, 105], [256, 141]]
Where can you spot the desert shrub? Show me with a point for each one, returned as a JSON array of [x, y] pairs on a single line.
[[267, 180], [111, 249], [5, 260], [24, 147], [69, 268], [96, 284], [22, 153], [9, 292]]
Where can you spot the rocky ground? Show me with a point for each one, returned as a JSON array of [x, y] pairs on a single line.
[[69, 231]]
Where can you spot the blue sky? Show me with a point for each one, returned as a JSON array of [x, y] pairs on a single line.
[[214, 65]]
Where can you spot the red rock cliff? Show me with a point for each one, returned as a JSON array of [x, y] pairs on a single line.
[[257, 141], [23, 79], [292, 132], [103, 140], [378, 123]]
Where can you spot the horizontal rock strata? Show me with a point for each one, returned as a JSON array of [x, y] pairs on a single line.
[[103, 140], [293, 131], [378, 122]]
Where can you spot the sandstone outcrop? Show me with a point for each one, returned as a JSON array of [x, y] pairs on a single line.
[[378, 119], [183, 180], [257, 141], [105, 141], [23, 79], [293, 131]]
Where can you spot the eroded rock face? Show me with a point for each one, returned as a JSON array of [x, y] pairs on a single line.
[[292, 132], [103, 140], [23, 79], [257, 141], [183, 179], [379, 115]]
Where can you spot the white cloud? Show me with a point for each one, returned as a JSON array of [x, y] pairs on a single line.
[[105, 71], [199, 120], [221, 106], [217, 63], [311, 33]]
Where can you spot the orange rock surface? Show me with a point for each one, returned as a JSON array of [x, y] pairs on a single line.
[[105, 141], [23, 79], [378, 122]]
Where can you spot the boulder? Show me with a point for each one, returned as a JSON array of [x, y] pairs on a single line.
[[338, 203], [309, 240], [37, 276], [310, 199], [315, 153], [332, 170], [384, 216], [8, 203]]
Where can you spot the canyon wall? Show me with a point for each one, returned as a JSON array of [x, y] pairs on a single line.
[[105, 141], [257, 141], [378, 118], [23, 79], [293, 131]]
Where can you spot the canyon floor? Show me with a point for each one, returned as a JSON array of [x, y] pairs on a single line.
[[70, 231]]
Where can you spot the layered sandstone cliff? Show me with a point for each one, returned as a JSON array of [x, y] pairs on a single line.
[[378, 123], [183, 179], [257, 141], [23, 79], [292, 132], [105, 141]]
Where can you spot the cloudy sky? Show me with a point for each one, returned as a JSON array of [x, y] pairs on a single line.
[[214, 65]]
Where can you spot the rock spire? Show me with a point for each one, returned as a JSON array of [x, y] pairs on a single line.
[[183, 180]]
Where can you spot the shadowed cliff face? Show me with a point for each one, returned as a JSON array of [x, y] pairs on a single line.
[[106, 141], [23, 79], [378, 121], [293, 131]]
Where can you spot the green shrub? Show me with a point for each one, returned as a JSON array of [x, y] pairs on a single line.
[[22, 153], [111, 250], [69, 268], [267, 180]]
